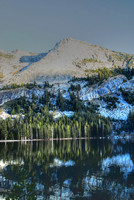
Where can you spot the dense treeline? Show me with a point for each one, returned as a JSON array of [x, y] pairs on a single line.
[[28, 86], [41, 126], [38, 123]]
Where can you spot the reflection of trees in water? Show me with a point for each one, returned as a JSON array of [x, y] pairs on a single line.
[[24, 187], [41, 152], [84, 178]]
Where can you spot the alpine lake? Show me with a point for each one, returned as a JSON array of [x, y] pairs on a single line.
[[96, 169]]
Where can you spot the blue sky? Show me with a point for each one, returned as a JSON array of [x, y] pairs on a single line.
[[36, 25]]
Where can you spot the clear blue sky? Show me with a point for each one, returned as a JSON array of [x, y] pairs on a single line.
[[36, 25]]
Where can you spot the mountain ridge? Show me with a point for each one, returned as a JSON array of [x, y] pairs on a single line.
[[69, 57]]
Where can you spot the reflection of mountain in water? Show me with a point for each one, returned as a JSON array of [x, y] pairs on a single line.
[[104, 185], [123, 161], [70, 169], [60, 163]]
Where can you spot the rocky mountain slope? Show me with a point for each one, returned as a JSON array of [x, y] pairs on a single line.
[[113, 94], [108, 95], [67, 59]]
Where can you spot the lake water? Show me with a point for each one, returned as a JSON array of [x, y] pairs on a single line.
[[81, 169]]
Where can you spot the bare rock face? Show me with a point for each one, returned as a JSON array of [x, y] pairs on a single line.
[[69, 57], [9, 95]]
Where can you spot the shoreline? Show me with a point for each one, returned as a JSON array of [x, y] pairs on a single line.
[[61, 139], [51, 139]]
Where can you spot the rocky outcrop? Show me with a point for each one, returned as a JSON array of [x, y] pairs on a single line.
[[94, 92], [110, 86], [8, 95]]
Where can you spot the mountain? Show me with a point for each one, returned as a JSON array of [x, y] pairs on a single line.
[[68, 58]]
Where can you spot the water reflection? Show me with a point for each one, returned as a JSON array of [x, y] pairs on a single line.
[[123, 161], [60, 163], [91, 169]]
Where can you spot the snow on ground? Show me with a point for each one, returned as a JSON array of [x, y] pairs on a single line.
[[66, 95], [58, 114], [4, 115], [37, 92], [110, 87], [119, 113]]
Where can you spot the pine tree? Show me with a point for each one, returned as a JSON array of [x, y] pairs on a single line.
[[4, 130]]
